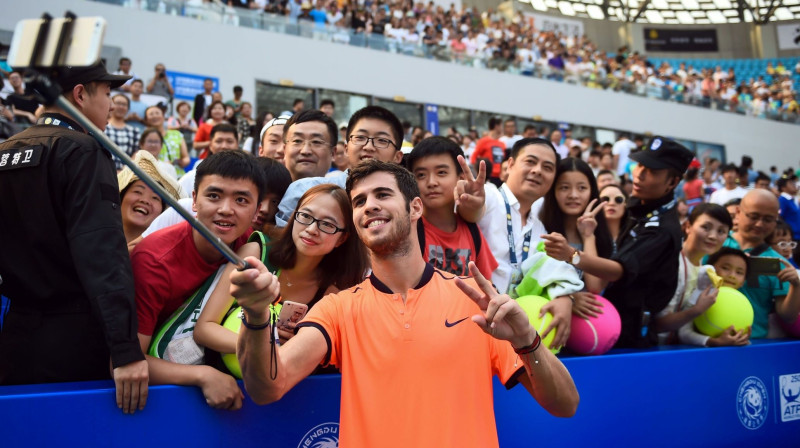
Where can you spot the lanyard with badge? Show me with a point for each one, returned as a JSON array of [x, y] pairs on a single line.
[[516, 269]]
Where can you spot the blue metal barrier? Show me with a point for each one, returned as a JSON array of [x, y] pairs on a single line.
[[687, 397]]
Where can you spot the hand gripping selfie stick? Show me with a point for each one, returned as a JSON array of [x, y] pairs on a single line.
[[48, 92]]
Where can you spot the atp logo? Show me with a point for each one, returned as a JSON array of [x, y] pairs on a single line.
[[789, 390], [752, 402], [325, 435]]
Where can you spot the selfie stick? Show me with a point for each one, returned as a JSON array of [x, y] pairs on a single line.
[[48, 91]]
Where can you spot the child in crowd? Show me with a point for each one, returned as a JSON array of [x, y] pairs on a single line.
[[447, 242], [781, 241], [706, 232], [316, 254]]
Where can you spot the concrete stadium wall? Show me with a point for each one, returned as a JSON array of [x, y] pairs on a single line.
[[205, 48]]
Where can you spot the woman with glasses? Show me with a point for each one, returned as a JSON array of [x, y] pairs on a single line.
[[572, 208], [614, 200], [316, 254]]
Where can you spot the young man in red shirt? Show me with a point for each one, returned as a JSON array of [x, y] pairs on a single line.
[[171, 264]]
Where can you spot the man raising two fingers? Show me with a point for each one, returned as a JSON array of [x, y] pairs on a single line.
[[400, 361]]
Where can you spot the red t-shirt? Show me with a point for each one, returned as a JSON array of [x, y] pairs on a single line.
[[203, 134], [167, 269], [693, 189], [452, 251], [489, 148]]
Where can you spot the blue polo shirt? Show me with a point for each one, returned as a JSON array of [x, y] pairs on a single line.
[[761, 295]]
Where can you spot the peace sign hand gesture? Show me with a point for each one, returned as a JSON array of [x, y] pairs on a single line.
[[469, 191], [587, 223], [503, 318]]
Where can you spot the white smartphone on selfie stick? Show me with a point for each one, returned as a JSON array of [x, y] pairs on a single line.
[[83, 44]]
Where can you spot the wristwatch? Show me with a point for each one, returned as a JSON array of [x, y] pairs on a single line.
[[575, 259]]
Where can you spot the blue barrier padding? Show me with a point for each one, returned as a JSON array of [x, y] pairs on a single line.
[[687, 397]]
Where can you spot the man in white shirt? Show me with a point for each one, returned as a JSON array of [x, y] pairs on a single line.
[[510, 135], [621, 150], [531, 172], [730, 190]]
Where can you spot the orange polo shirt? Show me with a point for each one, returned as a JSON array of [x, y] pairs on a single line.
[[414, 374]]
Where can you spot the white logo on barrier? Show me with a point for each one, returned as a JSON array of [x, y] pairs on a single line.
[[752, 402], [324, 435], [789, 390]]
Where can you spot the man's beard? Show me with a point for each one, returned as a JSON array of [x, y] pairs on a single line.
[[396, 243]]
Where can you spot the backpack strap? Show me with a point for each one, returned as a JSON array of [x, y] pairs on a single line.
[[421, 236], [476, 237], [177, 322]]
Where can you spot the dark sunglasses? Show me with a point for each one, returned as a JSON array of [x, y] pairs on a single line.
[[617, 199]]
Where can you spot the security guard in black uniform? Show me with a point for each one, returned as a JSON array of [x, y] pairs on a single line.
[[644, 271], [63, 258]]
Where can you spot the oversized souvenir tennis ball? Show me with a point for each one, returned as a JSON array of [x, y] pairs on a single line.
[[595, 335], [731, 308], [233, 322], [532, 305]]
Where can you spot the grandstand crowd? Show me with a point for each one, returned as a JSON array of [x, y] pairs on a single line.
[[334, 217], [508, 41]]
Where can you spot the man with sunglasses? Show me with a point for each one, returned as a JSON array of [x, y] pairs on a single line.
[[768, 292], [372, 133], [644, 271]]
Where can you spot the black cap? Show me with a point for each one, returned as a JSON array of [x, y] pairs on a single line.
[[69, 77], [785, 179], [662, 153]]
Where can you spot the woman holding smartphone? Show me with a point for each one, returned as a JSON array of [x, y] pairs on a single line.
[[318, 253]]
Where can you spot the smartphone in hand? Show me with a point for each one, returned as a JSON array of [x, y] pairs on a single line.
[[291, 314]]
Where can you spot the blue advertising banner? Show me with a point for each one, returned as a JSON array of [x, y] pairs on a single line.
[[432, 118], [188, 85], [666, 397]]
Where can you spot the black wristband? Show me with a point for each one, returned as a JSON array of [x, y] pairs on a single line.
[[537, 341], [251, 326]]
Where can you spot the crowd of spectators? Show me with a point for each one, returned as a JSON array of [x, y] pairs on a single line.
[[509, 42], [608, 203]]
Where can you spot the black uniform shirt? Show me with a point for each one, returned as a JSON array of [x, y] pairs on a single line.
[[62, 246], [648, 249]]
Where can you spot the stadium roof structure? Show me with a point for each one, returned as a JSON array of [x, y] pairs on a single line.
[[677, 12]]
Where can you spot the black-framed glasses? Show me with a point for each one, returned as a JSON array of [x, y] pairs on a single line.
[[617, 199], [786, 244], [323, 226], [377, 142]]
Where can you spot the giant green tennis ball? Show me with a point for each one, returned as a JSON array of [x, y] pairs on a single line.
[[532, 305], [731, 308], [233, 322]]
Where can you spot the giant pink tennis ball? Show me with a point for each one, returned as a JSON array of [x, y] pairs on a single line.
[[595, 335]]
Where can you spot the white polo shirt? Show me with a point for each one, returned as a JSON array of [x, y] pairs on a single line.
[[494, 226]]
